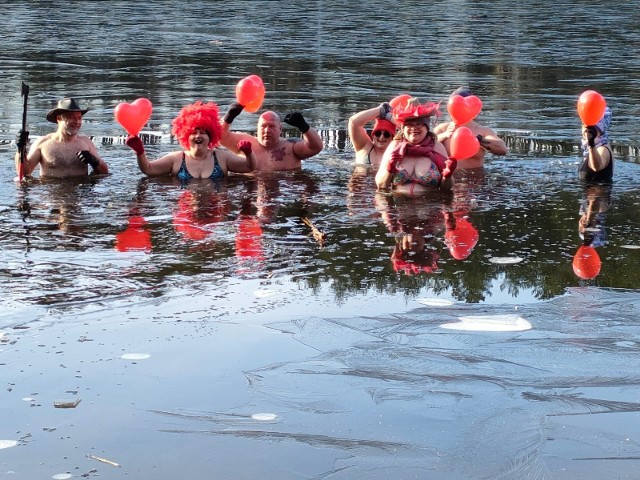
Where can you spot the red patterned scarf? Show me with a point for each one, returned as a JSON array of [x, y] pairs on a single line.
[[423, 149]]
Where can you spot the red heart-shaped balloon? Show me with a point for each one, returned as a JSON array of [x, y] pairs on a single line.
[[463, 144], [133, 116], [464, 109], [250, 93], [591, 106]]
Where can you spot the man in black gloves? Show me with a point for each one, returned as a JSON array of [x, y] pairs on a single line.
[[272, 151], [63, 153]]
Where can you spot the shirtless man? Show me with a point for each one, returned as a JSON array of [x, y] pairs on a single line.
[[63, 153], [489, 140], [272, 152]]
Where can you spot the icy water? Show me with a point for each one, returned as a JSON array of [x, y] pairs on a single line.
[[207, 334]]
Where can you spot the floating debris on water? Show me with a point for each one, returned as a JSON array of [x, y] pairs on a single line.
[[135, 356], [66, 403], [62, 476], [630, 247], [490, 323], [505, 260], [103, 460]]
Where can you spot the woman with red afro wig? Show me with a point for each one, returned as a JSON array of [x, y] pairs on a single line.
[[197, 128]]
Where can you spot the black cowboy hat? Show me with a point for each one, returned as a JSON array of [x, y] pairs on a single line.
[[65, 105]]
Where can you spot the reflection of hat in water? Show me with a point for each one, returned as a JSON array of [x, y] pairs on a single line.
[[65, 105], [384, 125], [416, 111], [135, 238], [463, 92], [425, 261]]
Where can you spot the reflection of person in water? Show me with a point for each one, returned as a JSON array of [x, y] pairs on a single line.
[[591, 228], [415, 226], [198, 208]]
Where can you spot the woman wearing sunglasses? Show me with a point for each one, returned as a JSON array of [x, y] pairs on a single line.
[[369, 149]]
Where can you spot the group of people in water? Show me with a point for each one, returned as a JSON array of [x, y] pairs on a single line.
[[408, 149]]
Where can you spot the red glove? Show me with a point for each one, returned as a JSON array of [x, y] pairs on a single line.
[[245, 147], [396, 156], [450, 165], [135, 144]]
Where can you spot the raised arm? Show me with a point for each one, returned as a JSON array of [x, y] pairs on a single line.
[[599, 156], [491, 142], [238, 164], [161, 166], [33, 157], [312, 142], [356, 128]]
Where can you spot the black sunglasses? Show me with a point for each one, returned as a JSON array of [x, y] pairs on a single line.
[[386, 134]]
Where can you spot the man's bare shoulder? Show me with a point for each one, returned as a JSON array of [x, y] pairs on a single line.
[[441, 127]]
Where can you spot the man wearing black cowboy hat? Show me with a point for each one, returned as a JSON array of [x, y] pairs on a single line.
[[63, 153]]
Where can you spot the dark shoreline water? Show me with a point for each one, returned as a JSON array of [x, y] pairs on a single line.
[[208, 335]]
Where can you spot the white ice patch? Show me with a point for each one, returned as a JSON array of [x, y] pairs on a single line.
[[631, 247], [505, 260], [135, 356], [265, 293], [435, 302], [264, 417], [490, 323], [8, 443]]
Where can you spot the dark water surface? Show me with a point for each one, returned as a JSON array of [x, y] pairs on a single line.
[[272, 355]]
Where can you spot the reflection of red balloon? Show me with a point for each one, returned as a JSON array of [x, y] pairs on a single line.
[[250, 93], [586, 262], [463, 144], [463, 109], [135, 237], [400, 101], [133, 116], [249, 238], [591, 107], [462, 239]]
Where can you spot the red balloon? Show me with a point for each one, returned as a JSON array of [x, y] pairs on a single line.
[[133, 116], [464, 109], [591, 106], [400, 101], [586, 262], [250, 93], [463, 144]]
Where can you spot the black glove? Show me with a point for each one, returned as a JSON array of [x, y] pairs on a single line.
[[385, 111], [296, 119], [480, 138], [22, 138], [234, 110], [85, 157], [592, 133]]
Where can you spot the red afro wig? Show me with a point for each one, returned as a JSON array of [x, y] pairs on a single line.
[[197, 115]]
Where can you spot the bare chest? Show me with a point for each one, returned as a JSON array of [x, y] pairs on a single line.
[[60, 159]]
